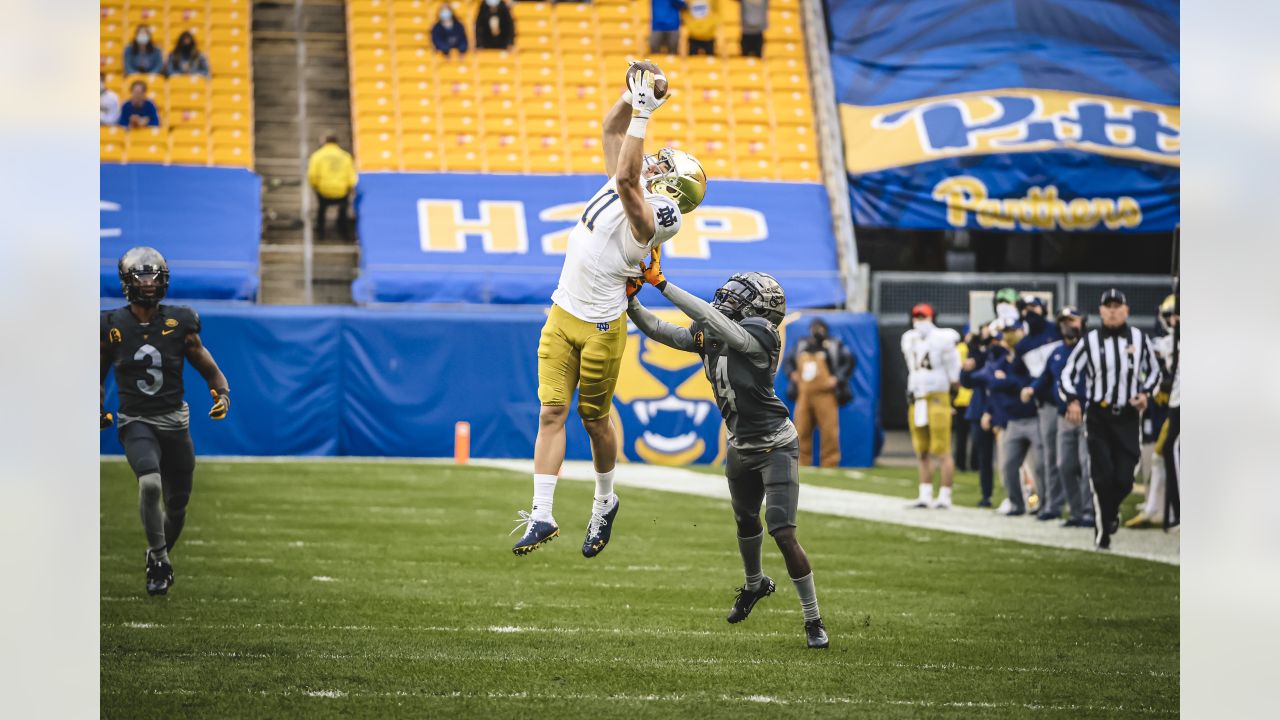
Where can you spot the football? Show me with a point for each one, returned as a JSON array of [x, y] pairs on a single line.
[[659, 86]]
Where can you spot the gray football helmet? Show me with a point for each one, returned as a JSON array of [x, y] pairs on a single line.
[[751, 294], [144, 275]]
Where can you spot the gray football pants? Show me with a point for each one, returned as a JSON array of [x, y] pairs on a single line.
[[1019, 438], [1054, 495], [1073, 468]]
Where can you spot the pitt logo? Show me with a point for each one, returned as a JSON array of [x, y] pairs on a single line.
[[1041, 209], [1006, 121], [171, 322], [114, 335]]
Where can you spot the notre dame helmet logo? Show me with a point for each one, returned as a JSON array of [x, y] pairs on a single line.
[[114, 335]]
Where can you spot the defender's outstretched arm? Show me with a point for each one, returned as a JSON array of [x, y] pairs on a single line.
[[669, 334]]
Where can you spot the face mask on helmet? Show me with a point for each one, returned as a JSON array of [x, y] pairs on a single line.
[[751, 295], [677, 175], [144, 276]]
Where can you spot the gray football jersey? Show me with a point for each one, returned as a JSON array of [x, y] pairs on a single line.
[[753, 415]]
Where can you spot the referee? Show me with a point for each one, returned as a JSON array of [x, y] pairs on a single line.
[[1116, 368]]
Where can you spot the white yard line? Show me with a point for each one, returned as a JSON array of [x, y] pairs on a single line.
[[1146, 544]]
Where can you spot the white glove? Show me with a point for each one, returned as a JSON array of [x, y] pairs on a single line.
[[643, 99]]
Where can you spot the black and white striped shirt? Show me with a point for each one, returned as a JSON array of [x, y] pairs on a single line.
[[1114, 367]]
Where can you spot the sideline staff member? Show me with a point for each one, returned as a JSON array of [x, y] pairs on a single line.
[[1117, 366]]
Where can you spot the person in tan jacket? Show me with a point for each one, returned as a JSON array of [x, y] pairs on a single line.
[[819, 369], [332, 174]]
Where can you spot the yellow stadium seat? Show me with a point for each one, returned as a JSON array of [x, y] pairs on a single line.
[[408, 38], [457, 124], [110, 46], [427, 159], [544, 142], [746, 78], [220, 118], [752, 149], [719, 167], [416, 103], [368, 87], [750, 112], [506, 161], [585, 126], [221, 83], [619, 48], [578, 42], [792, 114], [786, 49], [418, 122], [798, 170], [459, 105], [462, 156], [110, 8], [197, 98], [146, 145], [229, 62], [228, 17], [756, 169], [542, 126], [538, 25], [526, 10], [110, 64], [189, 152], [499, 107], [415, 71], [367, 71], [367, 122], [615, 27], [371, 54], [582, 161], [230, 4], [503, 89], [230, 136], [111, 150], [360, 8], [371, 37], [783, 32], [536, 42], [496, 74], [378, 102], [542, 109], [411, 20], [708, 130], [503, 124], [235, 156], [187, 116], [456, 71]]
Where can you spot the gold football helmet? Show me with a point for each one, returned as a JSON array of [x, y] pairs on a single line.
[[679, 176]]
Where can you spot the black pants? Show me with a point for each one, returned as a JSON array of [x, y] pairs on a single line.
[[170, 453], [984, 448], [960, 442], [1113, 457], [322, 206], [702, 47], [752, 44], [1172, 499]]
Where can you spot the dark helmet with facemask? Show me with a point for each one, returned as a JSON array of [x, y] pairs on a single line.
[[144, 276], [751, 294]]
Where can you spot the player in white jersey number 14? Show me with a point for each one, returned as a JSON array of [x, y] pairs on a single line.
[[582, 342]]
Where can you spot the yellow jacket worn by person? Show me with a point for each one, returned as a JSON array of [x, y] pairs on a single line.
[[701, 18], [331, 171]]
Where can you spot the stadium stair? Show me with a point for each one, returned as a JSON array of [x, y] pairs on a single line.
[[287, 131]]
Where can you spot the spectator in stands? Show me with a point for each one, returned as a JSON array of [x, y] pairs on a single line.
[[664, 25], [142, 57], [755, 20], [702, 17], [448, 34], [186, 58], [819, 370], [332, 174], [1071, 483], [108, 103], [495, 27], [139, 111]]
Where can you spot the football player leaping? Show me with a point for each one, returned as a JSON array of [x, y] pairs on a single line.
[[146, 343], [583, 339], [737, 337]]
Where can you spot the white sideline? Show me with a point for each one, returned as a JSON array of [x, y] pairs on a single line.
[[1150, 545], [1145, 544]]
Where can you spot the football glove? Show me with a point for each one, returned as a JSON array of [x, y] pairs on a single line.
[[653, 274], [644, 99], [633, 285], [105, 420], [221, 404]]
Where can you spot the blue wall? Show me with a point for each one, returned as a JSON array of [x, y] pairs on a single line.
[[347, 381]]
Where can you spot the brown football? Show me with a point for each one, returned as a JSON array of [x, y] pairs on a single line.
[[659, 87]]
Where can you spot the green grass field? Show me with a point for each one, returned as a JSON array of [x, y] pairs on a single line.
[[363, 590]]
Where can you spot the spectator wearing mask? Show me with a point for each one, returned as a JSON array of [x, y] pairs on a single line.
[[108, 103], [448, 35], [755, 20], [664, 25], [142, 57], [701, 18], [495, 27], [1070, 484], [1033, 350], [819, 370], [139, 111], [960, 449], [1004, 376], [980, 430], [332, 174], [933, 369], [186, 58]]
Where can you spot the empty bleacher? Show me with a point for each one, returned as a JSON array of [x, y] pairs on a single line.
[[203, 122], [538, 108]]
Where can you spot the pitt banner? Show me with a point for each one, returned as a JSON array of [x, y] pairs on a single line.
[[1052, 115], [462, 238]]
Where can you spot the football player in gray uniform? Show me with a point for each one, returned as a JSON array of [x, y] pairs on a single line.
[[737, 337]]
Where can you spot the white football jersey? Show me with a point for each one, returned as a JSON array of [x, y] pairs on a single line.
[[932, 361], [603, 253]]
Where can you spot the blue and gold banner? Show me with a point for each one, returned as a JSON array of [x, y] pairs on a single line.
[[463, 238], [1010, 115]]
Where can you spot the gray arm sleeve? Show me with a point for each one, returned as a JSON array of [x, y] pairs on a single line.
[[734, 335], [664, 332]]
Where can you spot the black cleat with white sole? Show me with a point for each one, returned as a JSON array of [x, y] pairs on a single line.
[[747, 599], [816, 633], [159, 576]]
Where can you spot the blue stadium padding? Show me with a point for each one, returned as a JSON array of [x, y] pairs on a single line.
[[205, 221], [350, 381], [1008, 115], [784, 228]]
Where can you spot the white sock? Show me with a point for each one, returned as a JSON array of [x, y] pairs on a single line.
[[808, 596], [604, 486], [944, 495], [926, 491], [544, 489]]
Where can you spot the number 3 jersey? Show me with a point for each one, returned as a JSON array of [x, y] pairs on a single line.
[[602, 254], [148, 361], [754, 417]]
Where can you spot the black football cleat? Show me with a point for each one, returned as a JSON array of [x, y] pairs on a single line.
[[747, 600], [537, 533], [816, 633], [599, 529], [159, 576]]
